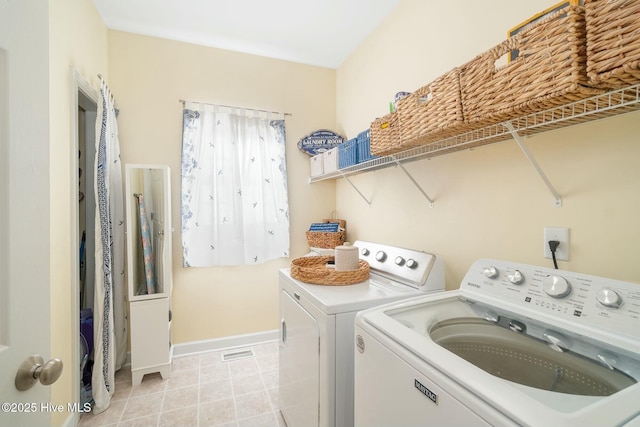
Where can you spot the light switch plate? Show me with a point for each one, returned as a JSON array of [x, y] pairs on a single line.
[[560, 234]]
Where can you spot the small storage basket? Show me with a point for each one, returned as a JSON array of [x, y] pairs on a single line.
[[613, 42], [314, 270], [328, 239], [364, 146], [385, 136], [549, 71], [433, 112], [316, 165], [348, 153], [330, 160]]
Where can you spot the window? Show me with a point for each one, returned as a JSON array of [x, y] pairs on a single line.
[[235, 206]]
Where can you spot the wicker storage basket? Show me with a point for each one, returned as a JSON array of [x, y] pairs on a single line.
[[433, 112], [550, 70], [613, 42], [314, 270], [385, 136], [328, 239]]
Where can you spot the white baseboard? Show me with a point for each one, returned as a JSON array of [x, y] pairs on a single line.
[[216, 344]]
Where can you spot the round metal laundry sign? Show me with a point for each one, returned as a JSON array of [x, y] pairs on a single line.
[[320, 141]]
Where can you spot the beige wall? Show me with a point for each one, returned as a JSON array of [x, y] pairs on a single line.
[[489, 202], [147, 77], [78, 40]]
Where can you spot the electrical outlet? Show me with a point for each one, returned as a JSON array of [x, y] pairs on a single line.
[[561, 234]]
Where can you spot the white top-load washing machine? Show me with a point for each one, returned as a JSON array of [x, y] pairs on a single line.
[[515, 345], [317, 330]]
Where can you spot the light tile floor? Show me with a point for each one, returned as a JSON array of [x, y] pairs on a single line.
[[203, 391]]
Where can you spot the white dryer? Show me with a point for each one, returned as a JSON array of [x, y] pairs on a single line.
[[317, 330], [515, 345]]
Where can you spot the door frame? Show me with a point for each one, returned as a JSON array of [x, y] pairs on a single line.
[[79, 85]]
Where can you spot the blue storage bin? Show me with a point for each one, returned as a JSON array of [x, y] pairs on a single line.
[[364, 146], [347, 153]]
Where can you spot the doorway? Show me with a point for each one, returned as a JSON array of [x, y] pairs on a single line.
[[87, 111], [83, 233]]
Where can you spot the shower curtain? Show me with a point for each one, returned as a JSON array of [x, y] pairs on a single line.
[[109, 296]]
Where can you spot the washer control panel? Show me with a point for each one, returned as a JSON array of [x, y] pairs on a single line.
[[588, 300], [414, 268]]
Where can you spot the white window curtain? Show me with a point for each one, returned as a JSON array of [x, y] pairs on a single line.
[[235, 208]]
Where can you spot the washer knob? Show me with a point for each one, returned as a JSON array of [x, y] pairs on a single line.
[[381, 256], [399, 260], [609, 298], [490, 272], [516, 278], [556, 286], [365, 251], [412, 263]]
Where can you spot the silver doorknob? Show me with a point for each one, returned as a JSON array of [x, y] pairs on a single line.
[[34, 369]]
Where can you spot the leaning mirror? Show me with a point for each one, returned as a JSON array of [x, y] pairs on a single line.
[[147, 203]]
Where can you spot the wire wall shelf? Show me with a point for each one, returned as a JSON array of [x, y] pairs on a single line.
[[609, 104]]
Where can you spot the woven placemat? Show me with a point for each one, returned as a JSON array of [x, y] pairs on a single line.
[[314, 270]]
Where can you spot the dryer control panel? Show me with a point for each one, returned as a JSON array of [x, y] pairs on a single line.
[[558, 295], [420, 270]]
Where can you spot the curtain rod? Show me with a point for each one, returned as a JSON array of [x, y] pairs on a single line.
[[183, 102]]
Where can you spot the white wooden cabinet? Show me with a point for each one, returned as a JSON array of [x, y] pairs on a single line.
[[149, 273], [150, 338]]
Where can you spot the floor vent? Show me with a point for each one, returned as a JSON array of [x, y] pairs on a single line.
[[237, 355]]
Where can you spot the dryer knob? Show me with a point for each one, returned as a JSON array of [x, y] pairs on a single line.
[[399, 261], [609, 298], [516, 278], [556, 286], [412, 263], [490, 272], [365, 251], [381, 256]]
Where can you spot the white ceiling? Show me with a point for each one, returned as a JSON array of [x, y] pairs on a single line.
[[315, 32]]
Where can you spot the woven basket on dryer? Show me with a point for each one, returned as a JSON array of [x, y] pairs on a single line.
[[314, 270], [328, 239], [433, 112], [549, 71], [613, 42]]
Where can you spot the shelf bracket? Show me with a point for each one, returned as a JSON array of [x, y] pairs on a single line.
[[557, 200], [397, 162], [354, 187]]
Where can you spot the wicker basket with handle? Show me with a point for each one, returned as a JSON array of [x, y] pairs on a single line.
[[549, 71], [613, 42], [328, 239], [433, 112], [385, 138]]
